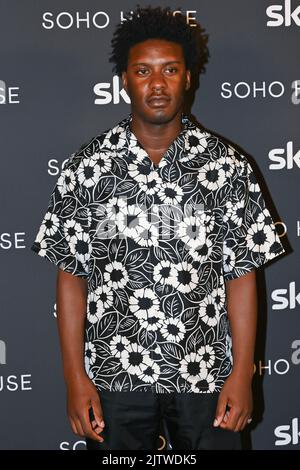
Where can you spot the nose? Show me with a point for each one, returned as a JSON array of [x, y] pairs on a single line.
[[157, 81]]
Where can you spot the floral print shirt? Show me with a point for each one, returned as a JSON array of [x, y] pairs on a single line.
[[156, 244]]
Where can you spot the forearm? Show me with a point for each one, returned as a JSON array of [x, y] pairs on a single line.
[[71, 296], [242, 313]]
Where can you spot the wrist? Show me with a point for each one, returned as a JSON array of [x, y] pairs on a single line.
[[244, 372], [72, 376]]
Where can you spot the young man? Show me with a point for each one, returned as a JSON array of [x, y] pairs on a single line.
[[157, 226]]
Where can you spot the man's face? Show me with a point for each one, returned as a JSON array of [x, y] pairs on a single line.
[[156, 80]]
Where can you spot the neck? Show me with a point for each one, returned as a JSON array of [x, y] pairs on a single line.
[[156, 137]]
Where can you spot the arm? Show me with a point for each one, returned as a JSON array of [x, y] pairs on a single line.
[[237, 389], [71, 297]]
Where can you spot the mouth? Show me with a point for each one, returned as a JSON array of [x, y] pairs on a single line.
[[158, 101]]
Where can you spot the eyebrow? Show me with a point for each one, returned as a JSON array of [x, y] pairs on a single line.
[[165, 63]]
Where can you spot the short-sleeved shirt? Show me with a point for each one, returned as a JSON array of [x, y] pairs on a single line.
[[156, 245]]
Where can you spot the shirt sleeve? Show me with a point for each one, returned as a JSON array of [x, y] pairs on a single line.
[[249, 233], [63, 237]]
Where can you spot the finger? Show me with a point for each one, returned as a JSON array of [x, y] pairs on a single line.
[[245, 422], [98, 413], [95, 427], [79, 427], [73, 426], [225, 419], [233, 417], [239, 425], [220, 411], [87, 427]]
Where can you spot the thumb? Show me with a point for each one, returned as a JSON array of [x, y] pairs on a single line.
[[97, 410], [220, 411]]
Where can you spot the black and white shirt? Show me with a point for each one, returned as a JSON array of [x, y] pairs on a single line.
[[156, 244]]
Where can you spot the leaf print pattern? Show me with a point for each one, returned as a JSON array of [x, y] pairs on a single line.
[[156, 244]]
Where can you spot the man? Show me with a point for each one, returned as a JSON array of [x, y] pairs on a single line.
[[157, 226]]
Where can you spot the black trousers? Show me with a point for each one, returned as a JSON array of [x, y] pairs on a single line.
[[132, 422]]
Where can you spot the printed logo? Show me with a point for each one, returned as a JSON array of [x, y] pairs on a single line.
[[287, 434], [286, 298], [77, 20], [12, 240], [284, 157], [9, 94], [283, 14], [105, 96]]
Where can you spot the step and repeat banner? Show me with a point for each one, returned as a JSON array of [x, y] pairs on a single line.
[[57, 90]]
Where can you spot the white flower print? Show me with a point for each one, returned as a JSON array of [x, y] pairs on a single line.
[[170, 193], [66, 182], [253, 185], [138, 171], [149, 181], [118, 345], [71, 230], [132, 220], [205, 384], [173, 330], [162, 271], [208, 311], [202, 253], [143, 303], [81, 246], [234, 212], [260, 237], [50, 224], [115, 275], [151, 373], [103, 161], [115, 139], [151, 322], [207, 357], [228, 258], [191, 367], [219, 297], [88, 172], [265, 217], [95, 309], [148, 236], [105, 297], [183, 277], [90, 353], [196, 143], [135, 359], [41, 243], [191, 232], [226, 166], [211, 176]]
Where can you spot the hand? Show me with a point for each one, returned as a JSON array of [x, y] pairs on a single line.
[[81, 396], [236, 394]]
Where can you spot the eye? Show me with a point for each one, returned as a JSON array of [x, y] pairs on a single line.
[[172, 69], [141, 71]]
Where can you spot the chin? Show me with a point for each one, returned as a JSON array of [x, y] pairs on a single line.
[[160, 116]]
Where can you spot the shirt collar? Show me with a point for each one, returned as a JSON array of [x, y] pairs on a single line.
[[177, 150]]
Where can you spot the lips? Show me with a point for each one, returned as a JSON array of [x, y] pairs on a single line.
[[158, 100]]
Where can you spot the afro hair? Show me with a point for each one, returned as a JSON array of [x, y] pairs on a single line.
[[159, 23]]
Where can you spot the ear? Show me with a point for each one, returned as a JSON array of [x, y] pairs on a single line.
[[188, 80], [124, 80]]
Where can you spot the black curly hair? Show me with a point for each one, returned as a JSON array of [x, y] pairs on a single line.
[[158, 23]]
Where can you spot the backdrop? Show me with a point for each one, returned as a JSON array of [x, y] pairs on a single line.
[[57, 90]]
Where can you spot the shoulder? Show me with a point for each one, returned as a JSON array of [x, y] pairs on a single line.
[[103, 143], [222, 154]]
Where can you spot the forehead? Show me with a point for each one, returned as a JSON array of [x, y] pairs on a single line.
[[155, 50]]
